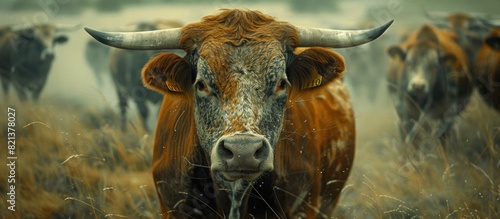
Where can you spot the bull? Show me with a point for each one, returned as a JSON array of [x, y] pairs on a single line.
[[26, 56], [248, 127], [433, 82]]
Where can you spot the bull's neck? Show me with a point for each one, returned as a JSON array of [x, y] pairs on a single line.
[[237, 193], [239, 198]]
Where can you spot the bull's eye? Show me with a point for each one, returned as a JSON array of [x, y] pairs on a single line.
[[281, 85], [201, 86]]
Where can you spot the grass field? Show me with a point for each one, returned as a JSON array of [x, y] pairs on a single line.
[[393, 180], [75, 163]]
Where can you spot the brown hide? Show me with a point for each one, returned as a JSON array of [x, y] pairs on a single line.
[[488, 69]]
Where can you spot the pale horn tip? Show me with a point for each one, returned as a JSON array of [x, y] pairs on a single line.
[[98, 35], [380, 30]]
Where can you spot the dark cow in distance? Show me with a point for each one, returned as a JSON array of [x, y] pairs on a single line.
[[433, 82], [488, 69], [26, 56], [97, 57], [125, 67], [249, 128]]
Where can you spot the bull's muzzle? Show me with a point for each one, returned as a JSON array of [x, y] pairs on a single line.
[[242, 156], [418, 87]]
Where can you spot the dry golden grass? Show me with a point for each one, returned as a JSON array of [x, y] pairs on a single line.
[[393, 180], [74, 162]]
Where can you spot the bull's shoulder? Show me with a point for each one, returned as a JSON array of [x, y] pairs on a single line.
[[321, 117], [320, 112], [317, 146]]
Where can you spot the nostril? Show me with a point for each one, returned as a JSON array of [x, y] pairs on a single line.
[[224, 152], [260, 152]]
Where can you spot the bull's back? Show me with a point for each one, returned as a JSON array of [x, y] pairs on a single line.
[[315, 155]]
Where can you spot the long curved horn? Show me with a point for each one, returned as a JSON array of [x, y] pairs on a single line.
[[339, 38], [156, 39]]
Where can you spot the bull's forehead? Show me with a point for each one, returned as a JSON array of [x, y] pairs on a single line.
[[45, 32], [422, 55], [253, 64]]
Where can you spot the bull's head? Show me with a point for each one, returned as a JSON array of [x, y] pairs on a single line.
[[425, 63], [240, 67], [40, 39]]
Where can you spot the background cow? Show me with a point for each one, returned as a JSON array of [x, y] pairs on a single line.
[[248, 128], [125, 67], [470, 29], [433, 82], [26, 56], [488, 69], [97, 57], [365, 64]]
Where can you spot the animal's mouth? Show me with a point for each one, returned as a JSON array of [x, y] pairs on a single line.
[[418, 96], [234, 175]]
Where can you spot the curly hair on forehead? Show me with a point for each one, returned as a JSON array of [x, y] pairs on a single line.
[[236, 27]]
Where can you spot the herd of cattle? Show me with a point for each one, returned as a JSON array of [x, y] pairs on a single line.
[[434, 70], [241, 101]]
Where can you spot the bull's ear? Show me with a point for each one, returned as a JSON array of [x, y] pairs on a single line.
[[314, 67], [493, 42], [396, 52], [167, 72]]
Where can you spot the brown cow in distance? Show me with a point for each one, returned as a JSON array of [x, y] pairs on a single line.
[[488, 69], [434, 83], [249, 128], [470, 29]]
